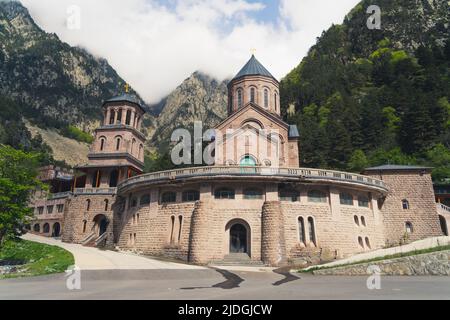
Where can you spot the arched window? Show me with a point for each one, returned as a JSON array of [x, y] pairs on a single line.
[[169, 197], [102, 144], [312, 231], [106, 204], [46, 228], [112, 116], [361, 242], [363, 201], [191, 196], [88, 204], [346, 199], [133, 145], [119, 117], [301, 230], [252, 95], [239, 98], [141, 151], [266, 98], [368, 243], [225, 194], [180, 224], [172, 229], [363, 221], [118, 142], [317, 196], [145, 200], [276, 102], [84, 226], [405, 204], [128, 119], [253, 194], [37, 228], [409, 227], [356, 220]]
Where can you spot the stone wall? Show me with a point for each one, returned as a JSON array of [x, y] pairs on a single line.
[[434, 264], [417, 188]]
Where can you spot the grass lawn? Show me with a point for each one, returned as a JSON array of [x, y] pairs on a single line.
[[391, 257], [34, 259]]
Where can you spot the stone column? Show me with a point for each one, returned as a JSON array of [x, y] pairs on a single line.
[[124, 116], [132, 120], [199, 252], [107, 116], [116, 115], [273, 246]]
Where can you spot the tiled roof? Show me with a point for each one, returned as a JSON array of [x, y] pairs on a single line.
[[253, 68]]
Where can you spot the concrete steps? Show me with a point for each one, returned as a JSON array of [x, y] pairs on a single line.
[[237, 259]]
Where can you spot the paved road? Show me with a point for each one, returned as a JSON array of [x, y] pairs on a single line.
[[112, 275], [95, 259], [218, 284]]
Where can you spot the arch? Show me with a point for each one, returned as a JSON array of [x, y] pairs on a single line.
[[141, 151], [312, 231], [356, 218], [317, 196], [172, 229], [275, 96], [368, 243], [100, 224], [46, 228], [409, 227], [405, 204], [133, 144], [180, 227], [168, 197], [301, 230], [113, 178], [444, 226], [37, 227], [256, 123], [361, 242], [88, 204], [266, 98], [253, 94], [239, 233], [106, 204], [84, 226], [363, 222], [56, 233], [240, 98], [102, 143], [191, 196], [118, 140], [128, 118], [225, 194]]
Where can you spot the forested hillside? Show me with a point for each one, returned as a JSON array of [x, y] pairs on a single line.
[[367, 97]]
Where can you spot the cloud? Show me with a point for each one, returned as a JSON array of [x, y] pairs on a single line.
[[155, 44]]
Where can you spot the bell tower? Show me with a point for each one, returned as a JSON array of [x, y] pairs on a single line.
[[117, 152]]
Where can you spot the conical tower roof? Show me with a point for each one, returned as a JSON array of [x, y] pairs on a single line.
[[253, 68]]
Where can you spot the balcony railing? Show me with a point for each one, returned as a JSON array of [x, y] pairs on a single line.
[[308, 174], [61, 195], [94, 191], [443, 208]]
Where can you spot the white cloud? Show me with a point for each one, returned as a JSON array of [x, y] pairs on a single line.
[[155, 47]]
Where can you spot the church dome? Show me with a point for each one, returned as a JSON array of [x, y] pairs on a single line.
[[253, 68]]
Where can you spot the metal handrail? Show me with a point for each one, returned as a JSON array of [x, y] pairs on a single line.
[[316, 174], [443, 207]]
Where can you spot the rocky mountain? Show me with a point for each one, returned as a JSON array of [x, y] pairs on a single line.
[[55, 83], [366, 96], [198, 98]]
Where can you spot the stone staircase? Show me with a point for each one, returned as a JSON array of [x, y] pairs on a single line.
[[237, 259]]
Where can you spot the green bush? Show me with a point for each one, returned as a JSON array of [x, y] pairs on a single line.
[[77, 134]]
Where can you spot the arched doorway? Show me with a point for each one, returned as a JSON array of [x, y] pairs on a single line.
[[100, 225], [46, 228], [444, 225], [239, 237], [56, 230]]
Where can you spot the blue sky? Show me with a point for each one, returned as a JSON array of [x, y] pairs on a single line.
[[156, 44]]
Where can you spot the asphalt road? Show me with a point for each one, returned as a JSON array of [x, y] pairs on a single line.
[[213, 284]]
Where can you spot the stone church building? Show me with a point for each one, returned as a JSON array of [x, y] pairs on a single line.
[[256, 205]]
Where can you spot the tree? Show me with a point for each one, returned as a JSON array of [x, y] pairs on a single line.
[[18, 178], [358, 161]]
